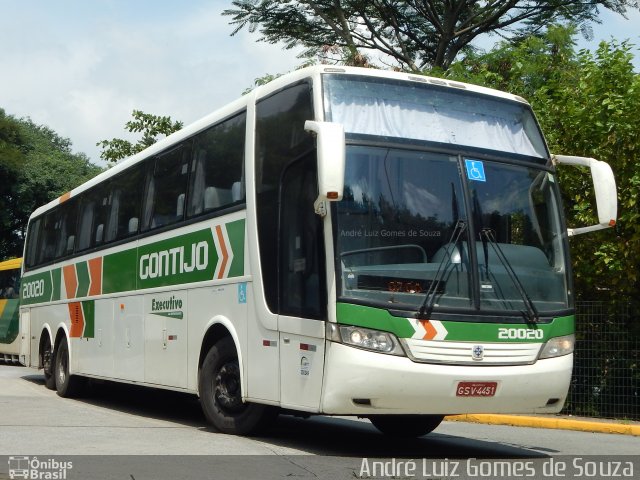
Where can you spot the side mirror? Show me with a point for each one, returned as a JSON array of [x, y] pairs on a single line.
[[331, 162], [604, 185]]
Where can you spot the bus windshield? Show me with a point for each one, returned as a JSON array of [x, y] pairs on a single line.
[[405, 226], [418, 111]]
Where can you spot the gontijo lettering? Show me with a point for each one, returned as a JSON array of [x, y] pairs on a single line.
[[173, 262]]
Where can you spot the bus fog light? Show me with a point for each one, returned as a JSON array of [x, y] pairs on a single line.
[[365, 338], [559, 346]]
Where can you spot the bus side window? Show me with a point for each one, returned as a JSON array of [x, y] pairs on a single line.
[[33, 236], [217, 169], [95, 205], [165, 185], [126, 198], [65, 244], [85, 225], [47, 248]]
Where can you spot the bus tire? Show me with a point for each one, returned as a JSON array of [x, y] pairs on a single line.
[[48, 360], [221, 396], [406, 426], [67, 386]]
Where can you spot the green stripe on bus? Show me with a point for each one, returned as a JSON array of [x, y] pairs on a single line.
[[497, 332], [89, 311], [188, 258], [119, 271], [82, 270], [236, 232], [380, 319], [375, 318], [56, 280]]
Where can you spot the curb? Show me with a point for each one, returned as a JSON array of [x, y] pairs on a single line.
[[545, 422]]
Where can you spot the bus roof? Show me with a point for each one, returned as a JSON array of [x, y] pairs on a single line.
[[12, 264], [259, 92]]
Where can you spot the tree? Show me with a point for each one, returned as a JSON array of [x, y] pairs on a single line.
[[415, 34], [151, 127], [12, 159], [266, 78], [36, 165]]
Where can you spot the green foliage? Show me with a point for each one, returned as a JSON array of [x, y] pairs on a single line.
[[36, 165], [151, 127], [266, 78], [587, 104], [12, 159], [414, 34]]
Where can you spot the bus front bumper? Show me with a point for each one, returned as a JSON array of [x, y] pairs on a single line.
[[359, 382]]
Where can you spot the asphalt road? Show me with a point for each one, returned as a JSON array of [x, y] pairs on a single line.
[[122, 431]]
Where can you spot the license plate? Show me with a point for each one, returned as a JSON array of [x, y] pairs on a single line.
[[476, 389]]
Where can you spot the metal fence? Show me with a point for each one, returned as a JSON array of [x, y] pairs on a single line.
[[606, 374]]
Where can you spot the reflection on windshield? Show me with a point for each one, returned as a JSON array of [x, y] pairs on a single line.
[[398, 243], [517, 207], [399, 210]]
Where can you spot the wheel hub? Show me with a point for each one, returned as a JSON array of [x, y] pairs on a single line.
[[227, 388]]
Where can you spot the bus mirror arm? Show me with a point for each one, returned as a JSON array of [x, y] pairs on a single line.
[[330, 143], [604, 184]]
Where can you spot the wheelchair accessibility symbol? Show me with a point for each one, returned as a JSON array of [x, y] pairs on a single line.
[[475, 170]]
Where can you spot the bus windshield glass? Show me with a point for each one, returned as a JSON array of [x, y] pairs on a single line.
[[404, 234], [418, 111]]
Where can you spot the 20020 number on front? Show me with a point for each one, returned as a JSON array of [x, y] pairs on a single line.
[[520, 334]]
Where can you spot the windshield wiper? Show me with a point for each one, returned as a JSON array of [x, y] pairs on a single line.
[[531, 315], [430, 297]]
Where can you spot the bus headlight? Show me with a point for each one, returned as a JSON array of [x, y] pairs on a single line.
[[365, 338], [559, 346]]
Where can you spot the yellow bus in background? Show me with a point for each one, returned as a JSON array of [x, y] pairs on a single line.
[[9, 309]]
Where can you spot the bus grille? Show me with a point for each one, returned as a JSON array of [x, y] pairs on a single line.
[[462, 353]]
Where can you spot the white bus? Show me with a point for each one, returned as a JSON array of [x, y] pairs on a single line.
[[341, 241]]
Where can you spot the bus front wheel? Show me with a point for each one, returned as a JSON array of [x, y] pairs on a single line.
[[221, 395], [406, 426]]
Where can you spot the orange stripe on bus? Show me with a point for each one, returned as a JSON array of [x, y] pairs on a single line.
[[70, 280], [95, 273], [430, 330], [77, 319], [225, 254], [64, 197]]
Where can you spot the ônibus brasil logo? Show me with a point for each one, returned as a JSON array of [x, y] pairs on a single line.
[[38, 469]]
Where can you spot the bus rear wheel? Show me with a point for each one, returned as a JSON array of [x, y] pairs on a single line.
[[47, 364], [67, 386], [221, 395], [406, 426]]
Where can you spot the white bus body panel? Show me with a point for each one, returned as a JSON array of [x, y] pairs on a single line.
[[95, 356], [25, 338], [166, 342], [128, 329], [396, 385], [301, 362]]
